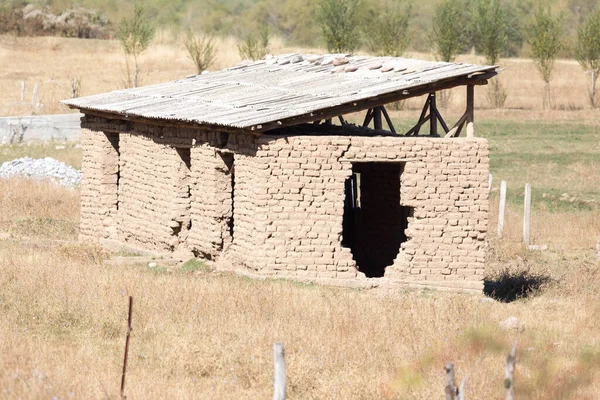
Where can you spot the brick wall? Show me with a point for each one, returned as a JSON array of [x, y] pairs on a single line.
[[444, 181], [288, 201], [99, 184]]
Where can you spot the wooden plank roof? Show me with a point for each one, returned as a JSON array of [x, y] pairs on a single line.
[[284, 90]]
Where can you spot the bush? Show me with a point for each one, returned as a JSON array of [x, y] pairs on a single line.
[[339, 22], [201, 51], [30, 20], [255, 47], [388, 34]]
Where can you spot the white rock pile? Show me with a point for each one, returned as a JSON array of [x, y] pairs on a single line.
[[41, 169]]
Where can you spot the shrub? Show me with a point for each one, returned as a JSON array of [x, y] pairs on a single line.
[[201, 51], [544, 34], [255, 47], [340, 24], [388, 34], [588, 50]]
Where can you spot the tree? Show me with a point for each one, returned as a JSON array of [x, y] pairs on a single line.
[[449, 36], [587, 50], [387, 34], [490, 29], [340, 24], [201, 51], [135, 35], [544, 35]]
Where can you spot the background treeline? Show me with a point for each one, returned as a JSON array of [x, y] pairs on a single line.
[[296, 21]]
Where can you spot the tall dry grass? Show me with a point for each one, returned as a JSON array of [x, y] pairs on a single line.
[[52, 63], [209, 335]]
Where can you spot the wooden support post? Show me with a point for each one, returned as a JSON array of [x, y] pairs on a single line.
[[509, 374], [450, 385], [422, 119], [279, 375], [457, 128], [377, 118], [527, 215], [501, 207], [368, 118], [470, 109], [388, 119], [342, 120], [22, 91], [433, 115]]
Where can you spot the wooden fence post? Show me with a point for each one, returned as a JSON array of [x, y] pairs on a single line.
[[527, 215], [126, 349], [509, 374], [450, 385], [279, 375], [35, 93], [22, 91], [501, 207]]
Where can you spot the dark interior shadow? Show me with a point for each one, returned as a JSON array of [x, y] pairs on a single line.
[[509, 286]]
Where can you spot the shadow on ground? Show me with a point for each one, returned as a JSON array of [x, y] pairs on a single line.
[[508, 286]]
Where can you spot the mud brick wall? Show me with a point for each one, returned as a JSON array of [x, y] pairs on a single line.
[[179, 189], [153, 197], [99, 185], [444, 181]]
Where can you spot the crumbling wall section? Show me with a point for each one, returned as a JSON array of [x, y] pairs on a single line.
[[444, 181], [153, 194], [99, 184]]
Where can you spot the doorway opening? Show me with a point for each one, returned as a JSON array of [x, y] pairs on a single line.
[[374, 221]]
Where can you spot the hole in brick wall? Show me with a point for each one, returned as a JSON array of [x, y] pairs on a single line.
[[183, 222], [374, 221], [185, 154], [113, 138], [228, 161]]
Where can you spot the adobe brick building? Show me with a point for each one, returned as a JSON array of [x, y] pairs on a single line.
[[255, 166]]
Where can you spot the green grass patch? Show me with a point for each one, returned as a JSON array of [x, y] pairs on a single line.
[[195, 265]]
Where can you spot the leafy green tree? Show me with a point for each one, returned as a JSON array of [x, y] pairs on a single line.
[[340, 24], [587, 50], [449, 36], [544, 35], [201, 50], [387, 34], [135, 35], [490, 31]]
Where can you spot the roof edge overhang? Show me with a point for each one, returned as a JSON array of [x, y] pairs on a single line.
[[474, 79]]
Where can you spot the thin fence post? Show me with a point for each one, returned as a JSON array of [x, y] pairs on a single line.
[[450, 385], [527, 215], [501, 208], [22, 91], [279, 374], [509, 374], [35, 92], [126, 349]]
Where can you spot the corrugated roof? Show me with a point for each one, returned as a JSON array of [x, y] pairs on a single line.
[[280, 90]]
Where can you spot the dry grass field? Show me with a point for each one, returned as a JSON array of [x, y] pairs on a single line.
[[205, 334], [52, 62]]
